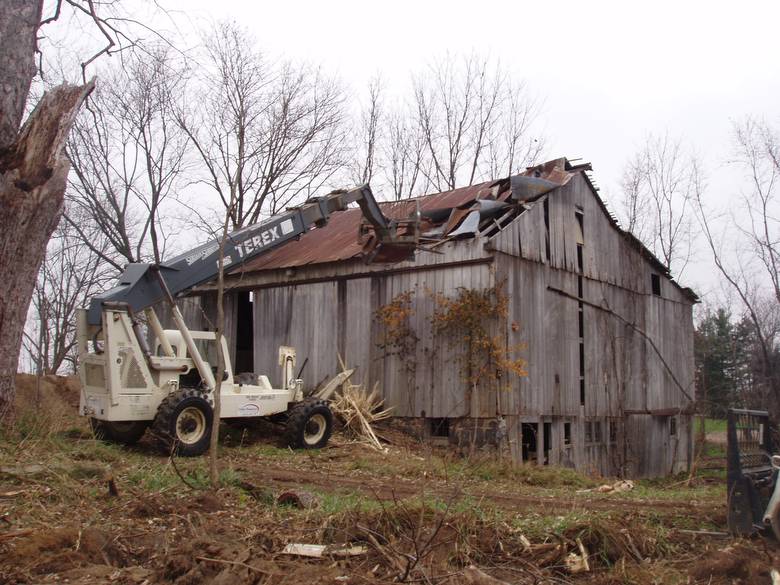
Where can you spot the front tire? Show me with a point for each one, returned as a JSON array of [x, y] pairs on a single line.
[[309, 425], [184, 421], [126, 432]]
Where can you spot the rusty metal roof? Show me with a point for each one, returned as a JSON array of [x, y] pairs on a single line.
[[443, 216], [338, 240]]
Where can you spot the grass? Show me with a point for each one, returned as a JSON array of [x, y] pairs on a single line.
[[342, 502], [477, 469], [71, 456], [484, 530], [712, 425]]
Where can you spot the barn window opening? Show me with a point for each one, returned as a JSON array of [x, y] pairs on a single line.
[[655, 284], [580, 240], [245, 361], [597, 431], [529, 431], [579, 216], [582, 373], [547, 440], [673, 426], [588, 432], [613, 431], [440, 427], [567, 433], [546, 206]]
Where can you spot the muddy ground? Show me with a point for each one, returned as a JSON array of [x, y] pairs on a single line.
[[76, 510]]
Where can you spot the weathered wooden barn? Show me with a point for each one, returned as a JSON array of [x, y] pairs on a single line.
[[606, 334]]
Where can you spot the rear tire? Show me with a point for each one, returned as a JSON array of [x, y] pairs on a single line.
[[126, 432], [183, 423], [309, 425]]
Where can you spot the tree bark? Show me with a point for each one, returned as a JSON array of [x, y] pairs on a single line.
[[19, 21], [33, 176]]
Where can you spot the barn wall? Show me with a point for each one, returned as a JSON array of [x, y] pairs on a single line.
[[323, 319], [622, 370], [304, 317]]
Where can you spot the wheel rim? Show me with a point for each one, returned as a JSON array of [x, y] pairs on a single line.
[[314, 429], [190, 425]]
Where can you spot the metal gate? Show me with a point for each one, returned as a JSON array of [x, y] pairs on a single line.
[[750, 477]]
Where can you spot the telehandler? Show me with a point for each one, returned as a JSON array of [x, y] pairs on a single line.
[[129, 387]]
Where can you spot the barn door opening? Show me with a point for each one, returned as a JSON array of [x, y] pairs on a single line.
[[547, 439], [529, 431], [244, 332]]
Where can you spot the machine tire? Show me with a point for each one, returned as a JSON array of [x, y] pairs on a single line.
[[309, 425], [184, 421], [125, 432]]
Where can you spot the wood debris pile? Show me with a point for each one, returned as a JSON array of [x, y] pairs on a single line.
[[358, 409]]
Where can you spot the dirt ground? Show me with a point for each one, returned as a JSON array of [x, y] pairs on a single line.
[[77, 510]]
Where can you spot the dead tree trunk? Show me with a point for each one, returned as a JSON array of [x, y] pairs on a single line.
[[33, 174]]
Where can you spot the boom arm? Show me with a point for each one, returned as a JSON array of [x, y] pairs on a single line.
[[139, 287]]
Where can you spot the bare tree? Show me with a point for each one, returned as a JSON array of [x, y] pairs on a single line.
[[758, 152], [474, 119], [128, 156], [265, 132], [368, 128], [69, 276], [403, 157], [634, 204], [660, 184], [745, 246], [515, 144]]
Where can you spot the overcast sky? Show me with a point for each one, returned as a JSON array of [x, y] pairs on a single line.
[[608, 72]]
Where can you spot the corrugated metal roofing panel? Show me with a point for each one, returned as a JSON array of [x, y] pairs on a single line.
[[338, 240]]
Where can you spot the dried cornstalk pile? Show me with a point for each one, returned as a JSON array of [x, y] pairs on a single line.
[[358, 409]]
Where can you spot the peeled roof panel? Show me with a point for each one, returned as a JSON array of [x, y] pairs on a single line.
[[338, 240]]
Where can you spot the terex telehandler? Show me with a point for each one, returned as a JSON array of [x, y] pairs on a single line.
[[128, 386]]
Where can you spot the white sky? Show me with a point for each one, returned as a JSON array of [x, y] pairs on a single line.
[[608, 72]]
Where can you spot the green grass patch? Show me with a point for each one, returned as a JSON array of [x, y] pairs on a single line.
[[536, 526], [154, 476], [712, 425], [493, 469], [343, 502]]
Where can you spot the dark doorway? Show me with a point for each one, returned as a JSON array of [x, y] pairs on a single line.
[[546, 442], [529, 441], [440, 427], [245, 361]]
